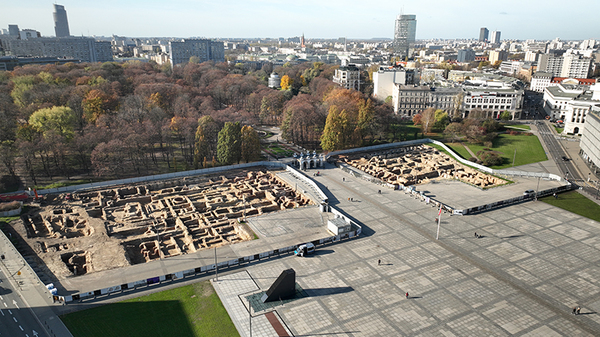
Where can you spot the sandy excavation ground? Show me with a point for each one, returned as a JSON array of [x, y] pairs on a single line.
[[125, 225], [414, 165]]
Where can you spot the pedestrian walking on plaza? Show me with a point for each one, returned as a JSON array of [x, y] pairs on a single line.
[[407, 295], [574, 310], [578, 310], [379, 262], [477, 236]]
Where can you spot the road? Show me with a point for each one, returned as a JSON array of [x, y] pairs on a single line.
[[16, 319]]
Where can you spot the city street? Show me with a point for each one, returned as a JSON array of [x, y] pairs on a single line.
[[16, 319]]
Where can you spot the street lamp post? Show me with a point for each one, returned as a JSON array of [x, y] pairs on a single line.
[[537, 189]]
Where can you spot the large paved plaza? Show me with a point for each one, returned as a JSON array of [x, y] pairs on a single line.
[[532, 264]]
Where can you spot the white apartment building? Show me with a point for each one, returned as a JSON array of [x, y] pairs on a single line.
[[385, 78], [494, 101], [575, 104], [590, 140], [571, 65], [556, 99], [181, 51], [347, 77], [540, 81]]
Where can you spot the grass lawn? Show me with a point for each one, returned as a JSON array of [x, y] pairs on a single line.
[[63, 184], [279, 150], [559, 130], [529, 149], [519, 126], [193, 310], [460, 150], [576, 203]]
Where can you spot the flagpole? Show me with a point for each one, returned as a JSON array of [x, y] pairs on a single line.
[[437, 237]]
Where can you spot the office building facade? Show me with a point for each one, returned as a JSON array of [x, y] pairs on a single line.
[[404, 35], [347, 77], [61, 25], [571, 65], [483, 34], [206, 50], [495, 37], [465, 55], [81, 48]]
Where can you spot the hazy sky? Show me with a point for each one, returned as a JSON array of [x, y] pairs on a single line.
[[516, 19]]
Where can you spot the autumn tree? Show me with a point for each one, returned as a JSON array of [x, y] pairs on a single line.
[[427, 120], [335, 133], [505, 115], [58, 119], [250, 144], [303, 120], [229, 146], [206, 140], [286, 82], [441, 120], [97, 103]]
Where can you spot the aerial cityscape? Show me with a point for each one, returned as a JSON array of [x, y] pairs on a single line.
[[275, 169]]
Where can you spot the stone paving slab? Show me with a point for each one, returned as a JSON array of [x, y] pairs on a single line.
[[522, 278]]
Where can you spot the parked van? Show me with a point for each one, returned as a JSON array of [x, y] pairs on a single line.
[[305, 249]]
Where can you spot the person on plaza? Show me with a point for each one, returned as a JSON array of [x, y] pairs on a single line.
[[406, 295]]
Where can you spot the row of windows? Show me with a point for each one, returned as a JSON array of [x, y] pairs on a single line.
[[495, 107], [488, 100]]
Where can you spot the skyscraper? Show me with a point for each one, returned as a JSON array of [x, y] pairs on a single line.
[[61, 25], [483, 34], [13, 30], [495, 38], [404, 35]]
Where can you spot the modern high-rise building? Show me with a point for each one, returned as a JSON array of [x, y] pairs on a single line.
[[61, 25], [495, 38], [571, 65], [206, 50], [483, 34], [404, 35], [13, 30]]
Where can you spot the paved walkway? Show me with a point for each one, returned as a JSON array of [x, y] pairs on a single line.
[[532, 264], [232, 290]]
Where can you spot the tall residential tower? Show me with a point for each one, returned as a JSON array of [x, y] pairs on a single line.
[[404, 35], [61, 25], [483, 34]]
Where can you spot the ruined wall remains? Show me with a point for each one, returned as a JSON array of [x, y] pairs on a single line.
[[97, 230], [416, 165]]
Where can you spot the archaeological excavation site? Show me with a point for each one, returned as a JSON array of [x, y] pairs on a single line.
[[413, 165], [95, 230]]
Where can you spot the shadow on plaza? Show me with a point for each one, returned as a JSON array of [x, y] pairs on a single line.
[[316, 292]]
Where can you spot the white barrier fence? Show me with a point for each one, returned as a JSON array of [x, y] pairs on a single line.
[[208, 269]]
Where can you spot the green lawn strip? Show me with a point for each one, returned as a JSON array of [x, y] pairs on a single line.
[[529, 149], [193, 310], [460, 150], [576, 203], [559, 130], [280, 151], [63, 184], [523, 127]]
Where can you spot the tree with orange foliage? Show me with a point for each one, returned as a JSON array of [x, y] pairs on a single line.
[[286, 82], [97, 103]]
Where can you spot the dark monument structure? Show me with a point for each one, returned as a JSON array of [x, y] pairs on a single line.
[[283, 288]]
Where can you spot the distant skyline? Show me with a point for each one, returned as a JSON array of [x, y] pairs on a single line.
[[516, 19]]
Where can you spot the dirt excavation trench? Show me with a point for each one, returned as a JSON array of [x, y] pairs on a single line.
[[124, 225]]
